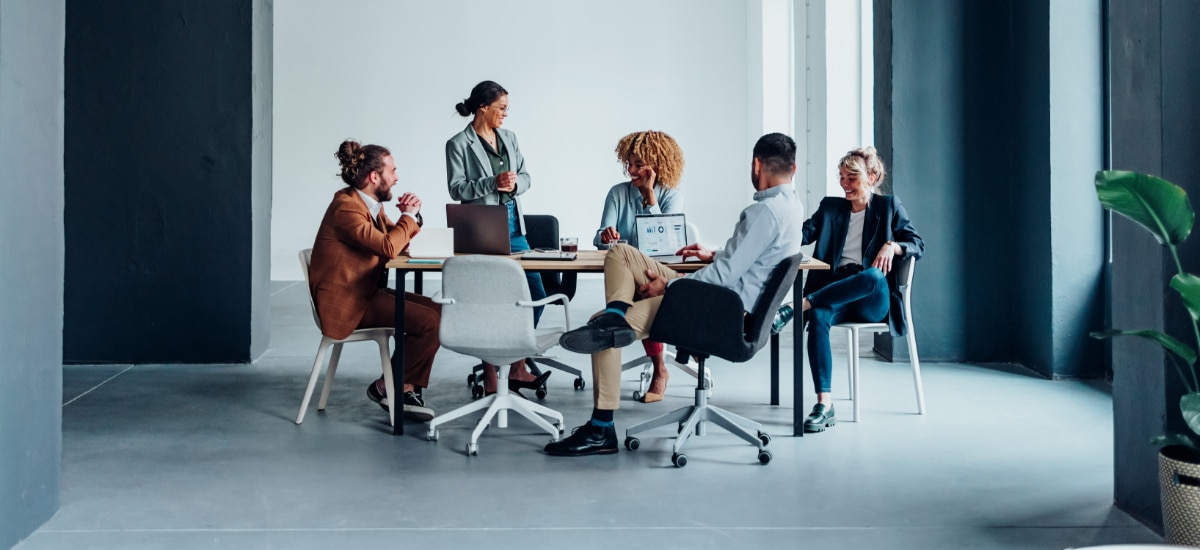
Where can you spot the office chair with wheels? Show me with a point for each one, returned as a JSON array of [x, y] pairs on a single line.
[[704, 320], [680, 360], [904, 276], [379, 335], [485, 314], [542, 232]]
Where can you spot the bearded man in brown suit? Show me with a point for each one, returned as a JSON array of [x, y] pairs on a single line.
[[348, 274]]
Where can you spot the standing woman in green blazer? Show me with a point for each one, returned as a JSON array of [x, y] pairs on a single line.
[[484, 165]]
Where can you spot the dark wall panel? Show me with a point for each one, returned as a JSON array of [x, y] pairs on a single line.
[[159, 119], [1137, 269]]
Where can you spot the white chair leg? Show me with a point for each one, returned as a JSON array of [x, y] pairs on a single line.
[[312, 380], [854, 367], [916, 366], [850, 363], [329, 373], [388, 382]]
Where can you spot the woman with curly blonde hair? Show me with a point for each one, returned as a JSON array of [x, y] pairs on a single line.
[[654, 164]]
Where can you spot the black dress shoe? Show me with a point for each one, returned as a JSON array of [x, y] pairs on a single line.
[[608, 330], [518, 385], [820, 418], [588, 439]]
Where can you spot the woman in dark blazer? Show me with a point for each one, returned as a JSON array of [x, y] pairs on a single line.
[[860, 236], [484, 165]]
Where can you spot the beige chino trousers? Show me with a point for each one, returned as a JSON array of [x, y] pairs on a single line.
[[625, 270]]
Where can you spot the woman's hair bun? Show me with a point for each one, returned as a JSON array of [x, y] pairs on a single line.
[[462, 108]]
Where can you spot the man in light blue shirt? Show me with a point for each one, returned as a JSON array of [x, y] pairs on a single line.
[[767, 232]]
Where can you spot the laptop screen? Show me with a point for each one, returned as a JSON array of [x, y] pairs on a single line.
[[660, 234]]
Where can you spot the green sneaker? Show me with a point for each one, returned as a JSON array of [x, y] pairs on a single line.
[[782, 318]]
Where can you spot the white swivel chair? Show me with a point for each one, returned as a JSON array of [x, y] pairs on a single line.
[[693, 236], [486, 313], [378, 335], [904, 275]]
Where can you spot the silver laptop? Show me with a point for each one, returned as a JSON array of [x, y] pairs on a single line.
[[660, 235], [479, 228]]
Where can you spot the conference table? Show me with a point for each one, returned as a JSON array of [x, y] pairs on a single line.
[[592, 261]]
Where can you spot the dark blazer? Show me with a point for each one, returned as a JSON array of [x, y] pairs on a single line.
[[885, 221]]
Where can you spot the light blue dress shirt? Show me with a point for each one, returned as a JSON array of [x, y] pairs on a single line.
[[767, 231]]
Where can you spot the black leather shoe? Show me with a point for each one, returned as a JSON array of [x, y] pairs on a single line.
[[820, 418], [588, 439], [608, 330]]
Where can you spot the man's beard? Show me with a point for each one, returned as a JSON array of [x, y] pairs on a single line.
[[383, 195]]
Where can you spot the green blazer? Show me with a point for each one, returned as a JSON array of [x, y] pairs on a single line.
[[469, 173]]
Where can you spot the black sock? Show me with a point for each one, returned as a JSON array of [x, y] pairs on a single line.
[[602, 417]]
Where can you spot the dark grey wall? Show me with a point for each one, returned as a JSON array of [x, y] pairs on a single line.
[[263, 36], [31, 263], [168, 220], [1155, 129], [970, 119]]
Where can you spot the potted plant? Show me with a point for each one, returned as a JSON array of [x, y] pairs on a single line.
[[1163, 209]]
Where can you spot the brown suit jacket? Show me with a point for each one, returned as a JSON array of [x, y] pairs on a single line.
[[349, 258]]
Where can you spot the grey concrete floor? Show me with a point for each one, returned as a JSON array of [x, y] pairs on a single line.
[[207, 456]]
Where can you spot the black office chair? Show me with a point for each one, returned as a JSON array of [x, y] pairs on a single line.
[[703, 320], [542, 232]]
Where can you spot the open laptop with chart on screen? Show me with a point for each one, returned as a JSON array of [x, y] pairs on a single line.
[[661, 235]]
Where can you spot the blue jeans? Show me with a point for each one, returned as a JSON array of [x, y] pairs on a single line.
[[857, 297], [518, 243]]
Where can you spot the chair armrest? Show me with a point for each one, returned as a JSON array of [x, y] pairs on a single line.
[[549, 300], [437, 299], [700, 317]]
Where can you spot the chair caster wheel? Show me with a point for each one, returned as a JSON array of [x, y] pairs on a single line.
[[764, 456], [632, 443], [637, 395], [561, 429], [680, 460], [765, 438], [541, 392], [432, 435], [472, 449], [476, 392], [579, 384], [471, 379]]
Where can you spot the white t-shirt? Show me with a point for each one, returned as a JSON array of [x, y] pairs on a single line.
[[852, 252]]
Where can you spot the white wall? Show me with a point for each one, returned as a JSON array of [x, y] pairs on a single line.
[[580, 76]]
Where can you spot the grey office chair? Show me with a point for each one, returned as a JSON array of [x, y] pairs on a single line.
[[542, 232], [904, 277], [485, 314], [703, 320]]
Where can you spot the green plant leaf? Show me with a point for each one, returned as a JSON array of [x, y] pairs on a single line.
[[1156, 204], [1173, 439], [1166, 341], [1188, 287], [1190, 405]]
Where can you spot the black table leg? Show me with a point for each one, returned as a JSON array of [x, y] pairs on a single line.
[[775, 369], [798, 373], [398, 358]]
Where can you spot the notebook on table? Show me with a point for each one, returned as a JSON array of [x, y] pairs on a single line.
[[660, 235], [479, 228]]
